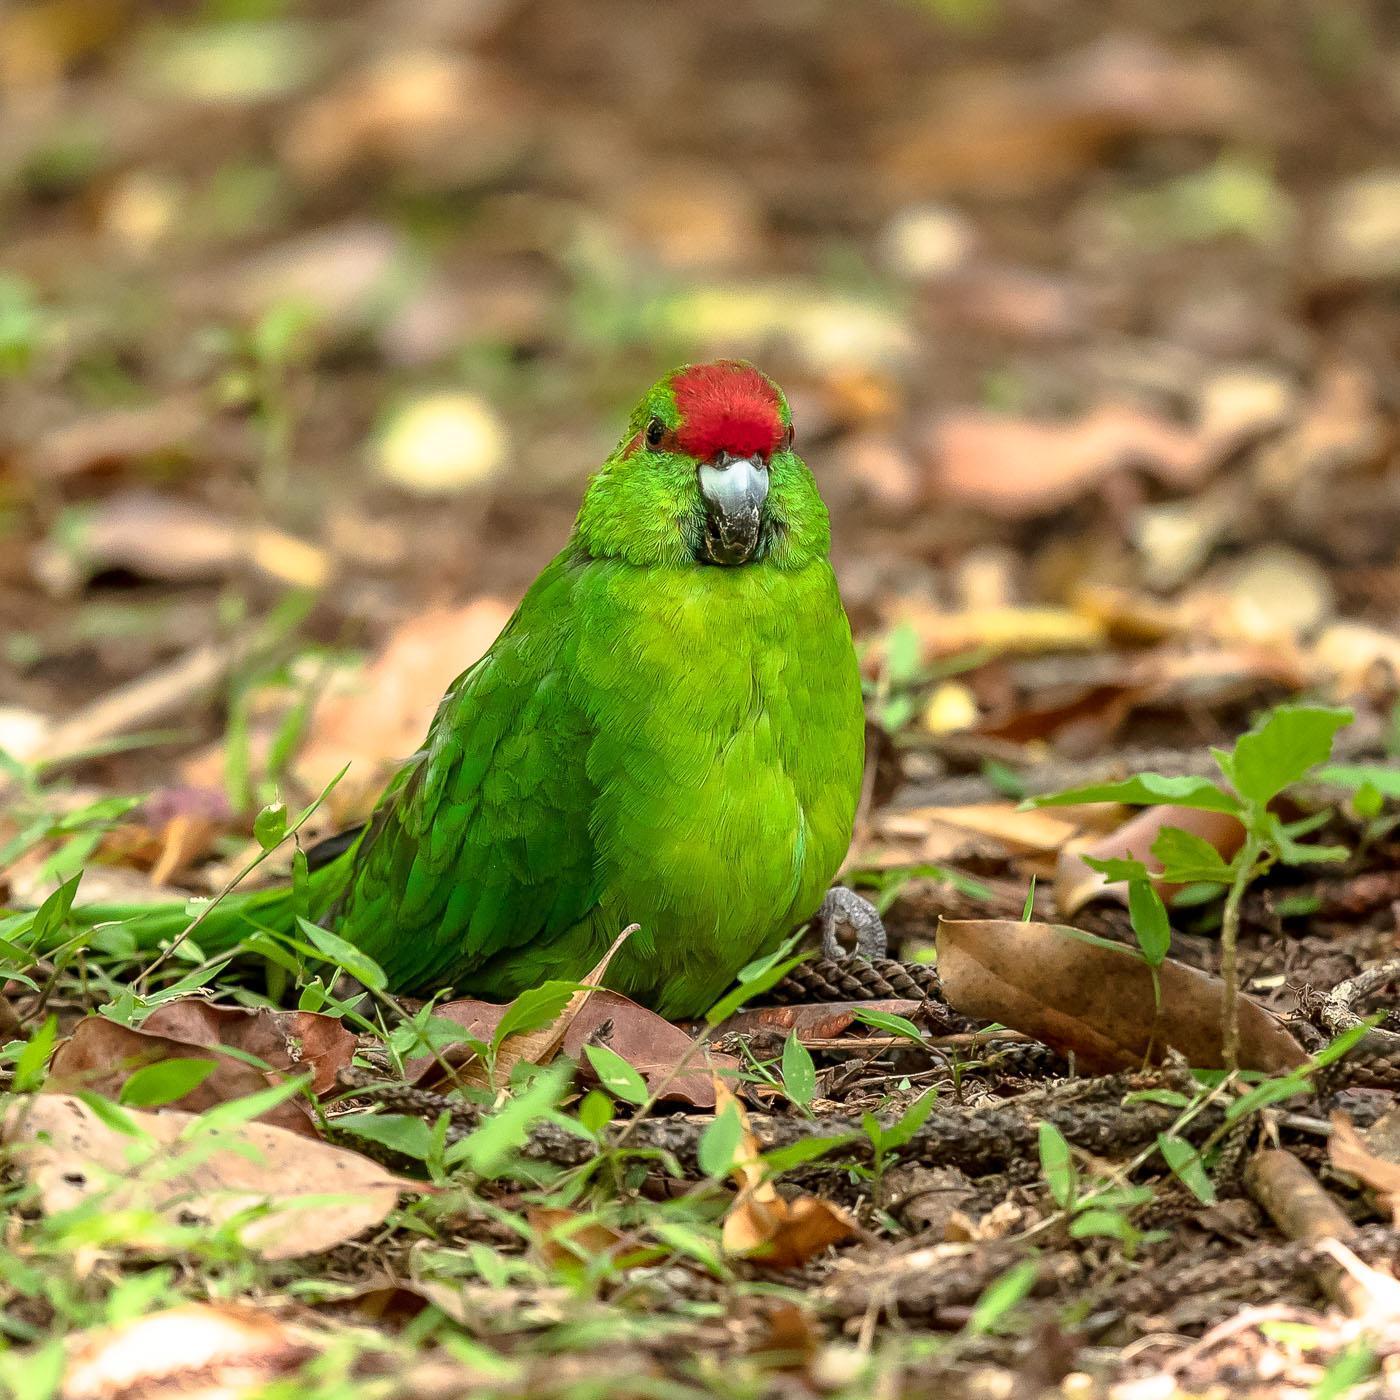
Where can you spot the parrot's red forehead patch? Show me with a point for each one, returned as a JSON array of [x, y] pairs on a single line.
[[726, 406]]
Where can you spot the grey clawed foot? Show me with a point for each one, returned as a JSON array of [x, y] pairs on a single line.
[[843, 906]]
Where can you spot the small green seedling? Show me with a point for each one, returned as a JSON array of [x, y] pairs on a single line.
[[1286, 746]]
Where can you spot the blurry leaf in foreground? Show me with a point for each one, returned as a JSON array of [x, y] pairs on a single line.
[[570, 1238], [770, 1230], [196, 1348], [1095, 1000], [304, 1196]]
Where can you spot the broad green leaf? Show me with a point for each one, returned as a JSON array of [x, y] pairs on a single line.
[[270, 825], [1110, 1223], [1187, 858], [154, 1085], [1286, 744], [1262, 1095], [1148, 916], [720, 1141], [596, 1111], [1294, 852], [1168, 1098], [1002, 1295], [52, 914], [799, 1073], [34, 1058], [397, 1131], [891, 1023], [346, 956], [1121, 1197], [534, 1009], [804, 1150], [1117, 870], [615, 1074], [1057, 1165], [1187, 1166], [1147, 790]]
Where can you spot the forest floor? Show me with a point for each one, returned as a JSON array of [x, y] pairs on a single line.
[[313, 319]]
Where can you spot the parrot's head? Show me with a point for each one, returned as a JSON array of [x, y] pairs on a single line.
[[706, 474]]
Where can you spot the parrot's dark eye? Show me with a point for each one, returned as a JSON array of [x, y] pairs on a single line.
[[656, 430]]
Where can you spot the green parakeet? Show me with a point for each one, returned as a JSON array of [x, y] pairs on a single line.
[[668, 732]]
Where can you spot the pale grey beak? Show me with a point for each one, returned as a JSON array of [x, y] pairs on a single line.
[[734, 489]]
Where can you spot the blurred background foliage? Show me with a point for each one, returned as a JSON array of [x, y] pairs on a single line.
[[1088, 314]]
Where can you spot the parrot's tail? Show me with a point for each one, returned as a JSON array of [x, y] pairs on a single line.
[[220, 929]]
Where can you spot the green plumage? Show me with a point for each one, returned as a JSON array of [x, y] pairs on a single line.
[[652, 739]]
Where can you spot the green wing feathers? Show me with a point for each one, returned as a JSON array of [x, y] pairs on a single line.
[[485, 849]]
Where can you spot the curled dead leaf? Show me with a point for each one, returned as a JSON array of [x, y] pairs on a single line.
[[1018, 468], [771, 1230], [1095, 1000], [299, 1196]]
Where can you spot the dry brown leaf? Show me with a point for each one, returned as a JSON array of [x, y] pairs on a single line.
[[101, 1055], [1018, 630], [1349, 1152], [774, 1232], [159, 537], [1077, 883], [567, 1236], [169, 832], [790, 1338], [114, 436], [374, 719], [648, 1042], [1095, 1001], [1020, 130], [1017, 830], [1020, 468], [539, 1047], [316, 1196], [196, 1349]]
